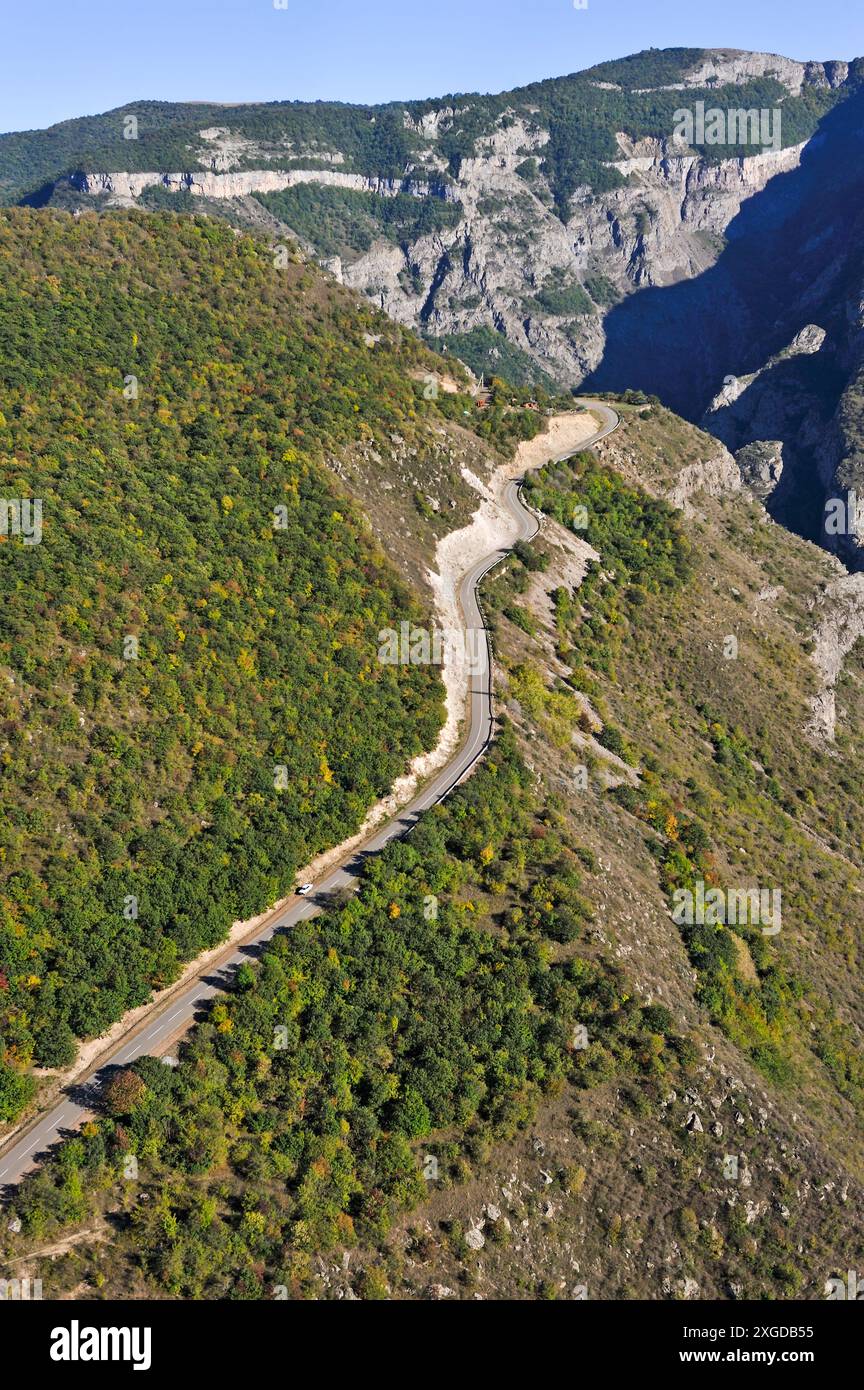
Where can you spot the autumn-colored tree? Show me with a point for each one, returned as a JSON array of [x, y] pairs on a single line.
[[122, 1092]]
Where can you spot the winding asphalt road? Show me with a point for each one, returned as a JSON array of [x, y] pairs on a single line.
[[154, 1035]]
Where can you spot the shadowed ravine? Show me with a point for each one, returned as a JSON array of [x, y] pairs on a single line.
[[680, 341]]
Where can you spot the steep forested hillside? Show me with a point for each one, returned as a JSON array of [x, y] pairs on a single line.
[[503, 1070], [201, 610], [440, 1004], [339, 221]]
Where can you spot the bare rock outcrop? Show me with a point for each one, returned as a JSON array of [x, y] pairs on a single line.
[[761, 404], [717, 477], [761, 466], [840, 613]]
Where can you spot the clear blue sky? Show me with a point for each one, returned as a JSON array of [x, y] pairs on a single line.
[[64, 58]]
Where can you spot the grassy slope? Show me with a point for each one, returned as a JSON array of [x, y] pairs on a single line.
[[596, 1179], [637, 1205], [722, 748]]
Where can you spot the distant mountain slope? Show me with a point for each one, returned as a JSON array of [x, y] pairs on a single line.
[[535, 210], [581, 112], [556, 232]]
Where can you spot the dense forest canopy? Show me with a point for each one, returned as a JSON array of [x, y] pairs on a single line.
[[202, 608], [342, 221], [435, 1009]]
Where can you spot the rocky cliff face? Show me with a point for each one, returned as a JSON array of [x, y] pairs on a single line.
[[496, 269], [730, 287], [734, 66], [839, 612], [665, 225], [512, 264], [123, 189]]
